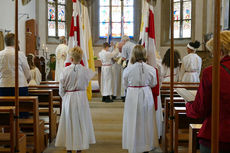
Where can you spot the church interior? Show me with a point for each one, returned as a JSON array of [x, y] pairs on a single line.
[[103, 28]]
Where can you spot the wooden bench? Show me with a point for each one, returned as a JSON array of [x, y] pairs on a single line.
[[181, 126], [193, 130], [45, 98], [28, 104], [48, 82], [57, 101], [177, 101]]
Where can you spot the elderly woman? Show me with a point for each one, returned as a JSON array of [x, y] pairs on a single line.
[[139, 123], [201, 107]]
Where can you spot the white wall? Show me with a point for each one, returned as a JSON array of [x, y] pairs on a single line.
[[42, 21], [7, 17], [198, 27]]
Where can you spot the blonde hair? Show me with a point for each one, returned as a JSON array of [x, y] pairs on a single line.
[[76, 53], [138, 54], [224, 43]]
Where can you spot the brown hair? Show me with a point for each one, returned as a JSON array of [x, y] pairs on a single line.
[[30, 59], [76, 53], [10, 39], [106, 45], [138, 54]]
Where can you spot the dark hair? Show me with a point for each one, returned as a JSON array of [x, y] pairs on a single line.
[[195, 44], [106, 45], [9, 39], [30, 59], [166, 59]]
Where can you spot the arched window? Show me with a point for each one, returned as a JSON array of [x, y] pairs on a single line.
[[116, 17], [56, 18]]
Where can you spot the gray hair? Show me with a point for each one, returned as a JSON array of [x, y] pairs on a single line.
[[125, 38], [62, 40]]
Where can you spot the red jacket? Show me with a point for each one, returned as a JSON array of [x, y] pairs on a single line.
[[201, 107]]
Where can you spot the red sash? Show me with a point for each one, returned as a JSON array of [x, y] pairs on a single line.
[[156, 90]]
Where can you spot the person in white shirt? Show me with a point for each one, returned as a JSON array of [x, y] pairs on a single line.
[[75, 131], [140, 132], [106, 72], [7, 69], [191, 64], [61, 54], [36, 76], [127, 48], [166, 66]]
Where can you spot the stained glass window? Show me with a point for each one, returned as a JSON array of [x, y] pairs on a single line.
[[56, 18], [183, 17], [119, 16]]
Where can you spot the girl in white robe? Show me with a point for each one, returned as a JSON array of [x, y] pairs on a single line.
[[36, 76], [191, 64], [166, 66], [75, 131], [139, 121], [106, 72]]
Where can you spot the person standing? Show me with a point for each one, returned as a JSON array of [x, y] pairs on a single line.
[[36, 76], [75, 131], [166, 66], [7, 69], [106, 72], [127, 48], [140, 132], [191, 64], [61, 54], [202, 106]]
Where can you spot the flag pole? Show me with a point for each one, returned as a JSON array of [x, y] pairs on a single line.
[[171, 76], [16, 76], [216, 81]]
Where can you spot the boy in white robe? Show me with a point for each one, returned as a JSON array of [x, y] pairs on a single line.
[[106, 72], [75, 131], [140, 132], [191, 64]]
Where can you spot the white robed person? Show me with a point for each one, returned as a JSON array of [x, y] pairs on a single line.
[[75, 131], [106, 72], [61, 54], [36, 76], [140, 132], [191, 64]]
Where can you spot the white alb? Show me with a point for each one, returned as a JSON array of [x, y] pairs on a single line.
[[75, 131], [140, 132]]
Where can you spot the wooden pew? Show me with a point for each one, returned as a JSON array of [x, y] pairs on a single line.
[[57, 101], [28, 104], [45, 98], [183, 134], [193, 130], [181, 83], [48, 82], [178, 101]]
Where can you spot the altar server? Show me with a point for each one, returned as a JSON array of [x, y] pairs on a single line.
[[36, 76], [106, 72], [166, 66], [61, 54], [191, 64], [75, 131], [139, 122]]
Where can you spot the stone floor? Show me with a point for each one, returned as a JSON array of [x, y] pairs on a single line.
[[107, 120]]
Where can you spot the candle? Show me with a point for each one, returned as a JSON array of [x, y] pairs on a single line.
[[43, 46], [47, 49]]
